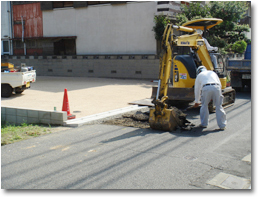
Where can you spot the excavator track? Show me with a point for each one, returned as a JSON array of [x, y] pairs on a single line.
[[229, 96], [229, 99], [186, 95]]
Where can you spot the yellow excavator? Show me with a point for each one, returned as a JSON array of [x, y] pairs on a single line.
[[180, 88]]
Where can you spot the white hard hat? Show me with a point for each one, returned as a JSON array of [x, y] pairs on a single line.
[[200, 69]]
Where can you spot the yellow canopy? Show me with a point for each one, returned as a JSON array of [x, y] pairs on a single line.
[[203, 23]]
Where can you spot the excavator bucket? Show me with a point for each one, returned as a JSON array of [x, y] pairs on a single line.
[[167, 120]]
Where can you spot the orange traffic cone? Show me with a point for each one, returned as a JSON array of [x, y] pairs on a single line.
[[66, 106]]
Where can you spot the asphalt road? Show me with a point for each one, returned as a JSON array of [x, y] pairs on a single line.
[[115, 157]]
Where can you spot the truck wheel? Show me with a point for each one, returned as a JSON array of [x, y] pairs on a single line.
[[246, 82], [6, 90]]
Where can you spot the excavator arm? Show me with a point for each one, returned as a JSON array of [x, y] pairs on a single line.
[[166, 55], [165, 62], [162, 118], [196, 43]]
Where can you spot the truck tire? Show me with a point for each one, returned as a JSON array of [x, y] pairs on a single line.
[[6, 90], [246, 82]]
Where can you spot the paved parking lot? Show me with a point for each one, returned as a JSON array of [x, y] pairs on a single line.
[[86, 96]]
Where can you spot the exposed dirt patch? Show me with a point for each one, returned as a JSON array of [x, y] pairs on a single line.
[[140, 119]]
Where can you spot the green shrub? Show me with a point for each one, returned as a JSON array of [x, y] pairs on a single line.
[[161, 22], [239, 46]]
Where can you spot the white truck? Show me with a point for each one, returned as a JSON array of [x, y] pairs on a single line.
[[12, 81]]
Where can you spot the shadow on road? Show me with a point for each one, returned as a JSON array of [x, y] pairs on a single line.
[[134, 133], [195, 132]]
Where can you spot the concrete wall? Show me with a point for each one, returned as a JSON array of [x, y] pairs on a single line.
[[110, 66], [106, 66], [31, 116], [105, 29]]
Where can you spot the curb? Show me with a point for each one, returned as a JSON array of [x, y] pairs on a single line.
[[101, 116]]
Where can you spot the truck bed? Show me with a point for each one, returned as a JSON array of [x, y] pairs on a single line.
[[239, 65], [16, 79]]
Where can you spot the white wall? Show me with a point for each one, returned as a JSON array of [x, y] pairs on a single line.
[[6, 32], [105, 29], [4, 19]]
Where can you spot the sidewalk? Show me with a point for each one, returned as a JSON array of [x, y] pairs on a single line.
[[86, 96]]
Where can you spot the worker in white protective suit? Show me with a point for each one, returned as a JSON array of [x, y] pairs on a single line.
[[210, 49], [208, 87]]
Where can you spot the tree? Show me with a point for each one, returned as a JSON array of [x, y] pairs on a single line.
[[230, 12], [193, 11], [161, 22], [239, 46]]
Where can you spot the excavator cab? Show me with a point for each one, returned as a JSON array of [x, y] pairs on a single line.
[[212, 60]]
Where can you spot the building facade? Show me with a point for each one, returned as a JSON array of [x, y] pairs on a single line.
[[6, 28], [124, 28], [84, 38], [79, 28], [170, 8], [83, 27]]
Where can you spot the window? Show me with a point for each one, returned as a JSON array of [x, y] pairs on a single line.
[[93, 2], [5, 47], [98, 2], [163, 2], [18, 44], [62, 4], [163, 9], [31, 43], [65, 47]]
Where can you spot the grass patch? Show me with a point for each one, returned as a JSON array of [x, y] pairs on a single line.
[[14, 133]]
